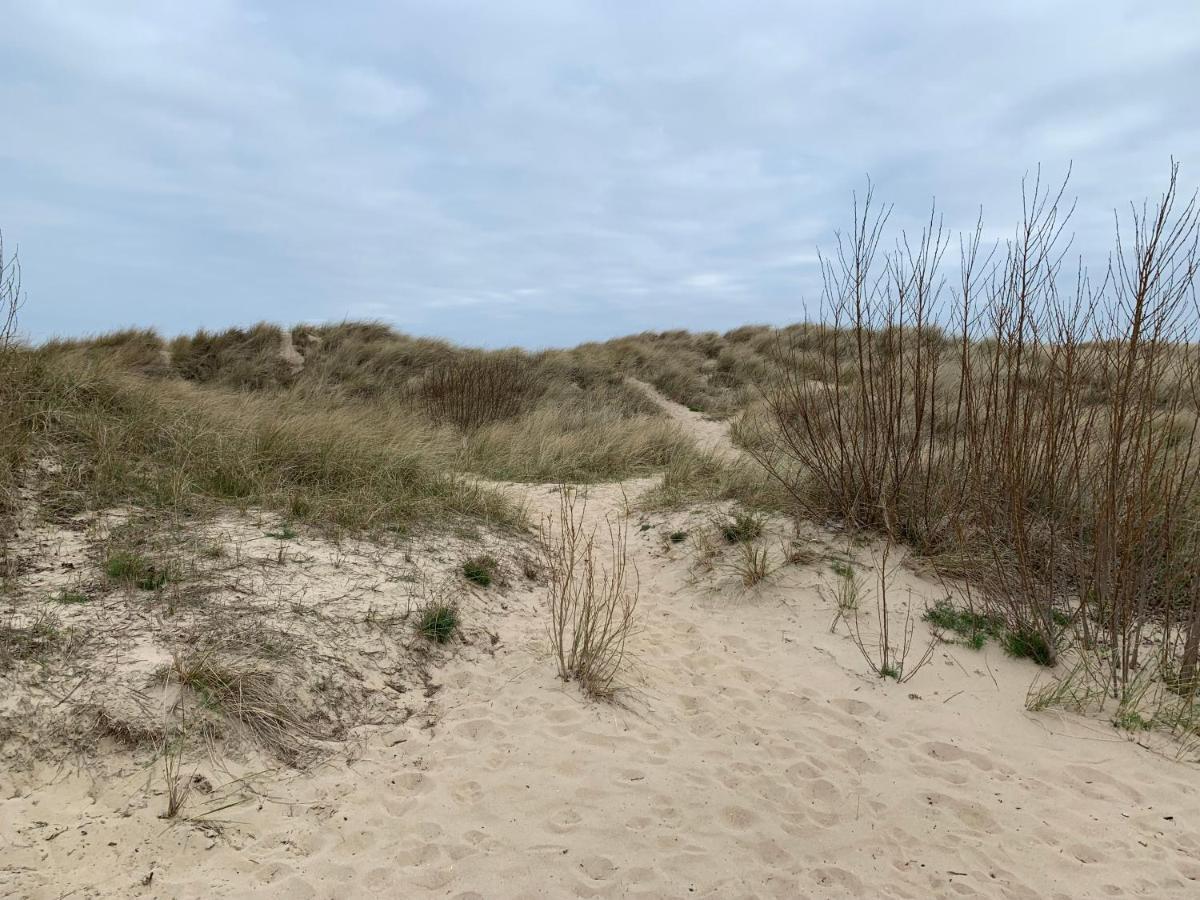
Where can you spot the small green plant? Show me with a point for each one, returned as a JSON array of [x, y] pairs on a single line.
[[841, 568], [70, 598], [1027, 644], [847, 591], [480, 570], [753, 565], [285, 532], [438, 621], [1131, 720], [972, 627], [678, 537], [125, 567], [890, 672], [742, 528]]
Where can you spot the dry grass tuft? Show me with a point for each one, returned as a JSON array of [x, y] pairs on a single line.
[[593, 597], [241, 690]]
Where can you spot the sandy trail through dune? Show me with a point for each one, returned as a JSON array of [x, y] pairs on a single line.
[[752, 755], [710, 434]]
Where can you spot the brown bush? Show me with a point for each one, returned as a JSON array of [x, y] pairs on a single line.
[[479, 389], [1047, 450]]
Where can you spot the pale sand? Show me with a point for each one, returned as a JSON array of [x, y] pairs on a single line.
[[752, 756]]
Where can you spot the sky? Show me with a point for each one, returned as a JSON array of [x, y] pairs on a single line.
[[545, 172]]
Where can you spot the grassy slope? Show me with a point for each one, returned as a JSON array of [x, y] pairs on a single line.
[[356, 428]]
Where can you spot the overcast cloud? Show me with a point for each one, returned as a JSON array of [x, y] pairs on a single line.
[[542, 173]]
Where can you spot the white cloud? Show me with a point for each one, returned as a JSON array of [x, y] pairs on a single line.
[[557, 171], [375, 96]]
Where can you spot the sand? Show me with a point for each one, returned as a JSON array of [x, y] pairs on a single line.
[[751, 755]]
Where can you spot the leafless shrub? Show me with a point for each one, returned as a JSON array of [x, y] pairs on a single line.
[[474, 390], [593, 595], [1037, 436], [885, 658], [10, 296]]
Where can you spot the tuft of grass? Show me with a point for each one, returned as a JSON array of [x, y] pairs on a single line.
[[752, 564], [438, 621], [800, 554], [128, 568], [972, 627], [677, 537], [1131, 720], [480, 570], [841, 569], [34, 640], [742, 528], [242, 690], [70, 598], [846, 593], [284, 532], [704, 476], [1029, 644]]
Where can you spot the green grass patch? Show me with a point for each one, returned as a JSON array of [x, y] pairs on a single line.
[[70, 598], [1131, 720], [480, 570], [742, 528], [841, 569], [284, 532], [972, 628], [438, 622], [127, 568], [1029, 645]]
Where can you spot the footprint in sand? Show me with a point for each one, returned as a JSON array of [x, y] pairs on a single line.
[[468, 792]]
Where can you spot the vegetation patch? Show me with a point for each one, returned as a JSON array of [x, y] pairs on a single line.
[[1029, 644], [31, 640], [480, 570], [70, 598], [438, 621], [128, 568], [973, 628], [743, 527]]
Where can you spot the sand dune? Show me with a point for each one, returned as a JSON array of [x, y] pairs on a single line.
[[751, 755]]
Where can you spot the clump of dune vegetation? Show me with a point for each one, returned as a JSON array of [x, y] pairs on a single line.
[[592, 596], [1038, 442], [1033, 443]]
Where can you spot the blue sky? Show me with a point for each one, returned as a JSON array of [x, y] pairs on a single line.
[[543, 172]]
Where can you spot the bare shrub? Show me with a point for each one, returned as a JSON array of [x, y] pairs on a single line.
[[1032, 433], [10, 296], [885, 657], [475, 390], [14, 430], [593, 595]]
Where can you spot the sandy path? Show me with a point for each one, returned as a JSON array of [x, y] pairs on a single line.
[[754, 756], [711, 434]]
